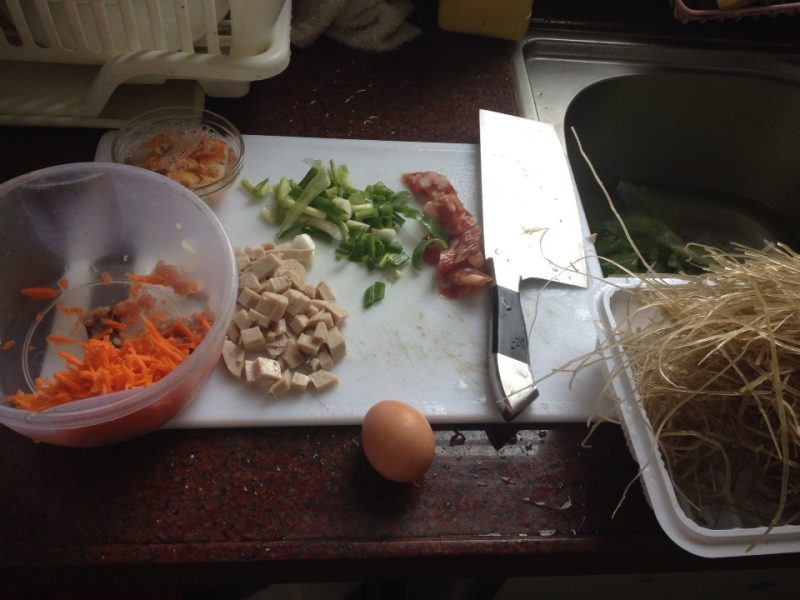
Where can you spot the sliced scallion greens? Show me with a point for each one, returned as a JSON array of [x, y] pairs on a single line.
[[259, 190], [419, 250], [364, 222], [374, 293]]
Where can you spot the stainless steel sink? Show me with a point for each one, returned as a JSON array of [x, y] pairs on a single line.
[[713, 133]]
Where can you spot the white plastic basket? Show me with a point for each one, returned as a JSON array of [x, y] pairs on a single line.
[[612, 309], [160, 50]]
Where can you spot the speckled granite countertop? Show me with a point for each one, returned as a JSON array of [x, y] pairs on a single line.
[[254, 505]]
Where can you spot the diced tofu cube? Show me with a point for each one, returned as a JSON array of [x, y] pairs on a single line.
[[283, 385], [258, 318], [292, 355], [273, 305], [338, 313], [305, 256], [309, 290], [248, 298], [252, 338], [277, 285], [298, 323], [242, 260], [323, 380], [242, 320], [300, 381], [298, 301], [291, 265], [277, 347], [307, 345], [275, 336], [265, 266], [274, 351], [336, 344], [249, 280], [266, 368], [279, 327], [233, 356], [320, 333], [296, 280], [324, 292], [249, 371], [232, 332], [324, 359], [255, 253], [321, 316]]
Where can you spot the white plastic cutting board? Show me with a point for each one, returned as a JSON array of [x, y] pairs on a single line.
[[414, 346]]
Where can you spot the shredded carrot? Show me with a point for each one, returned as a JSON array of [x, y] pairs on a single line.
[[105, 277], [8, 345], [111, 361], [202, 320], [169, 276], [73, 311], [61, 339], [40, 293], [138, 362], [153, 279], [70, 359], [174, 278], [113, 324], [63, 283]]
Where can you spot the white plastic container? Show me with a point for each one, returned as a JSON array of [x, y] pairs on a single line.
[[85, 50], [612, 305]]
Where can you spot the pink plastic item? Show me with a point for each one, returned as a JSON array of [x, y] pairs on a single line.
[[684, 14]]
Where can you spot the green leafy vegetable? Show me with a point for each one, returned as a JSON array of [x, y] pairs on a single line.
[[648, 218], [660, 246]]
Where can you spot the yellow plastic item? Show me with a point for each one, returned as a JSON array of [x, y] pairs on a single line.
[[506, 19]]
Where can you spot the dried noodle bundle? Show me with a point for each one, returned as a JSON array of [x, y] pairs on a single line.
[[719, 378]]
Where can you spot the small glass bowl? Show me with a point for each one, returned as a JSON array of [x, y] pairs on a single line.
[[198, 148]]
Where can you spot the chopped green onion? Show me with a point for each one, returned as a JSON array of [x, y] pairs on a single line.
[[331, 228], [392, 259], [430, 224], [365, 222], [260, 190], [267, 215], [416, 257], [316, 183], [374, 293]]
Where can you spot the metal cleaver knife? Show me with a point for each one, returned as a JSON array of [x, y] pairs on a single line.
[[531, 229]]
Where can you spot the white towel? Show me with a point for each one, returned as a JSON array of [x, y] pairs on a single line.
[[376, 25]]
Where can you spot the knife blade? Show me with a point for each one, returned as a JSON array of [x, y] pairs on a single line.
[[531, 229]]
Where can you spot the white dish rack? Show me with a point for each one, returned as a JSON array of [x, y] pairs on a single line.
[[100, 62]]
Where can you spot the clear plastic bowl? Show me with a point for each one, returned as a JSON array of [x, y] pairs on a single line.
[[166, 140], [90, 225]]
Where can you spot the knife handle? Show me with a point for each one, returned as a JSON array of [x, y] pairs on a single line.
[[510, 371]]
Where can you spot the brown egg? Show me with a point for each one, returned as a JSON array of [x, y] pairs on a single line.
[[397, 440]]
